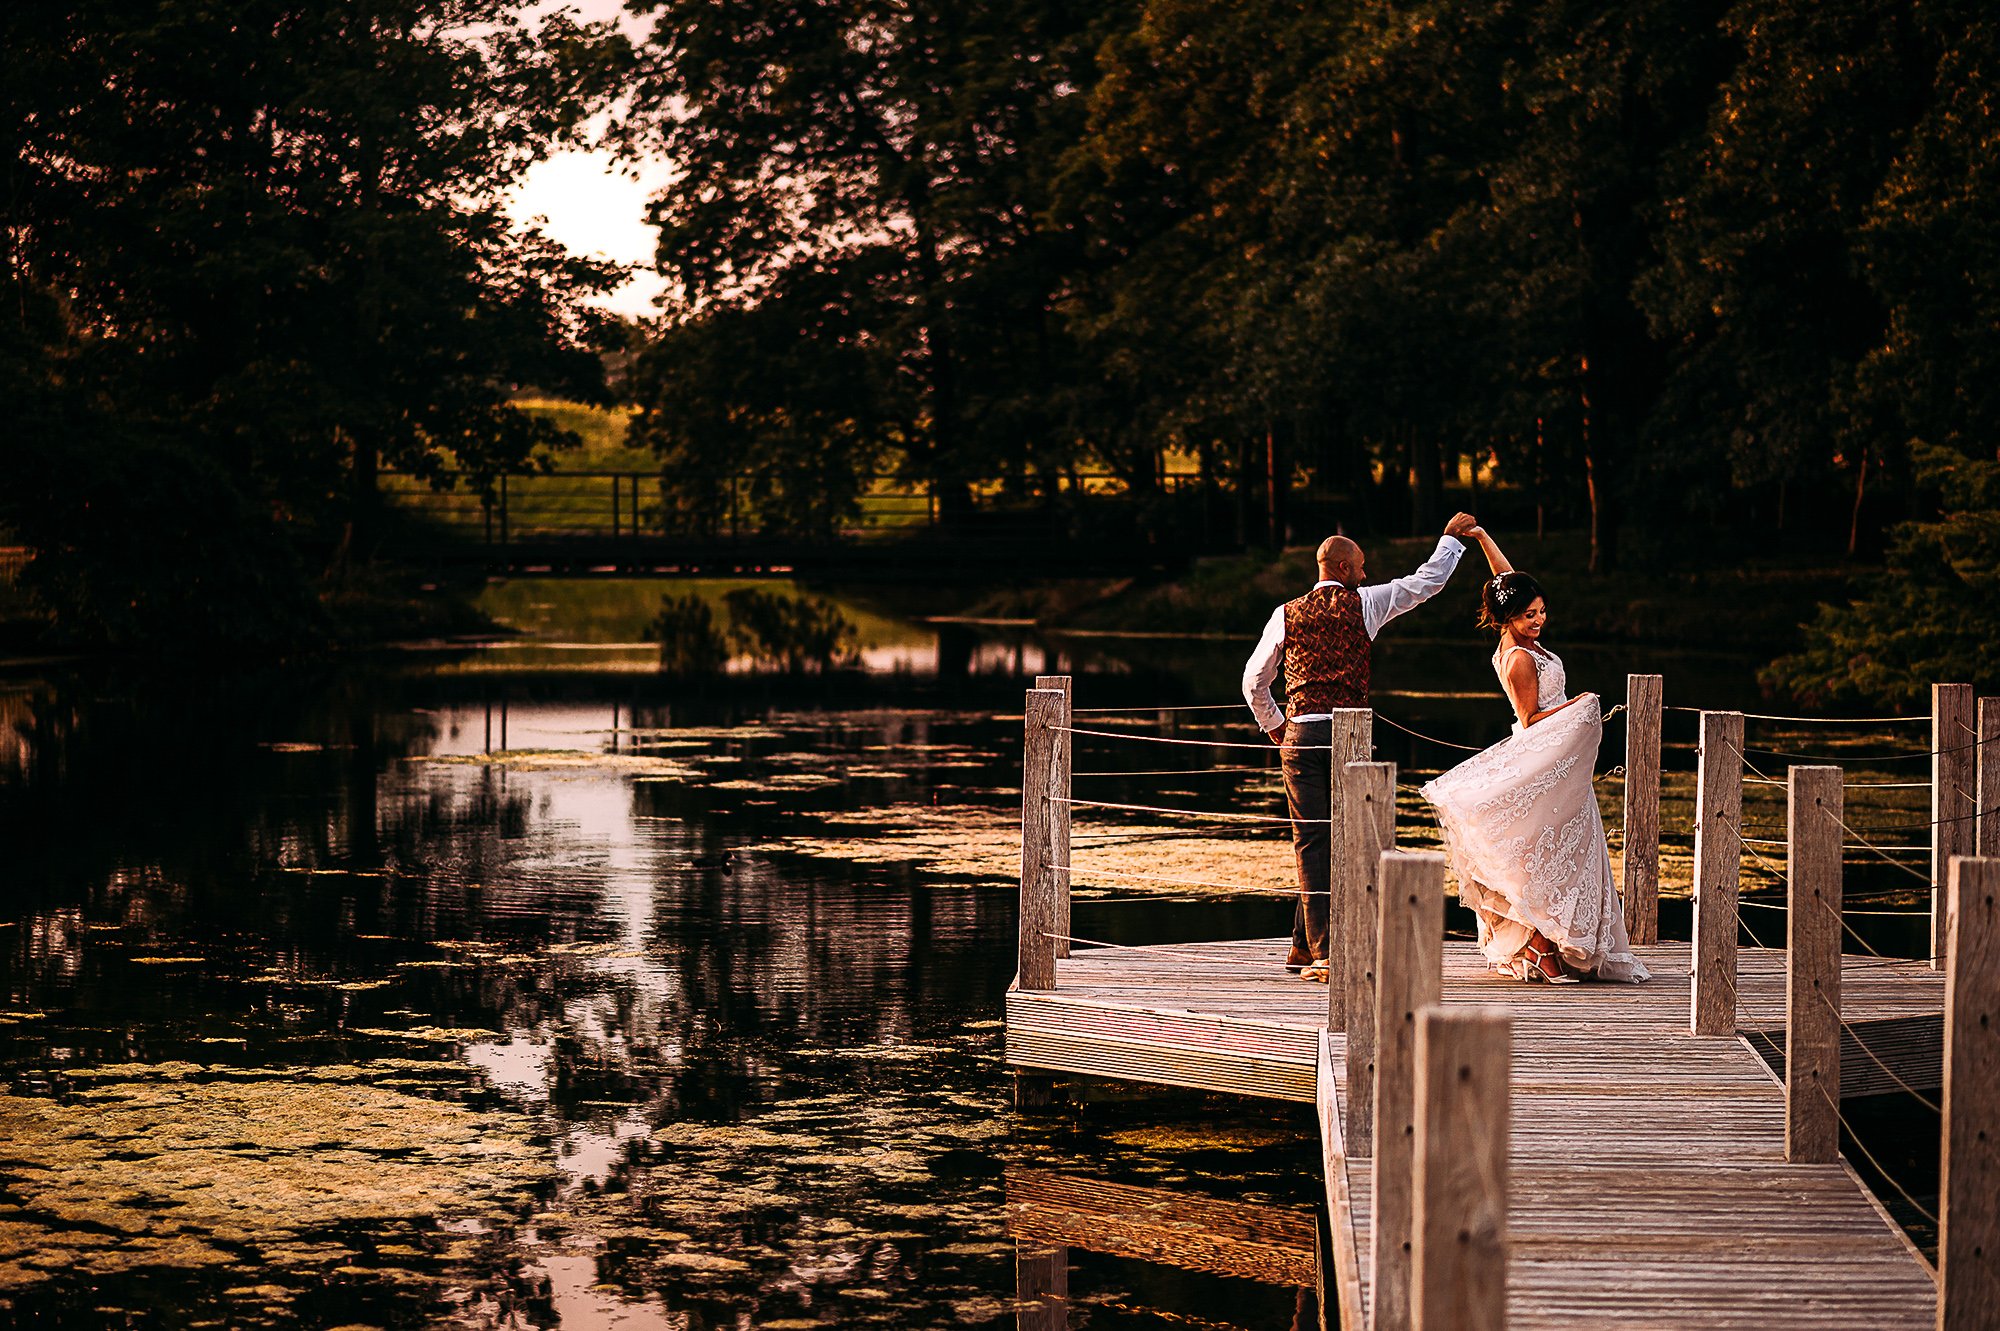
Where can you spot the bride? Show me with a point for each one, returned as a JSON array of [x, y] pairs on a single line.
[[1520, 819]]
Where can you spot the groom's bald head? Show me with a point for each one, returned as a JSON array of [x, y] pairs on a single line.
[[1341, 560]]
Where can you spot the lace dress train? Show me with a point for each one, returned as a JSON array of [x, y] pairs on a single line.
[[1526, 843]]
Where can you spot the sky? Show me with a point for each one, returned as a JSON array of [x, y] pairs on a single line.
[[595, 204]]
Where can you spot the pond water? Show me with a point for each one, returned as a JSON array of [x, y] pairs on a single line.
[[479, 989]]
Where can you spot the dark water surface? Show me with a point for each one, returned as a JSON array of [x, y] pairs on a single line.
[[315, 1015], [488, 993]]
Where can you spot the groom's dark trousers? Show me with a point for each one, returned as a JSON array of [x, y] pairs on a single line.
[[1308, 763]]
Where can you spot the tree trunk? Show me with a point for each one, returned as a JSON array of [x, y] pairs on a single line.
[[1427, 461], [954, 494], [1274, 491], [1860, 492], [1245, 490]]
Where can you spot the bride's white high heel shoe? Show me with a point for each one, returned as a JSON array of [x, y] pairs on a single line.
[[1535, 974]]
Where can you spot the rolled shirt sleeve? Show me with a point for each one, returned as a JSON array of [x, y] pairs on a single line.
[[1382, 603], [1262, 668]]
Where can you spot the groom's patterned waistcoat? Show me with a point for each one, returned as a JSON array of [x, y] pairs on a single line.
[[1326, 652]]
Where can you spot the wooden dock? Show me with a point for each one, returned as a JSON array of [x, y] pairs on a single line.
[[1504, 1155], [1650, 1179]]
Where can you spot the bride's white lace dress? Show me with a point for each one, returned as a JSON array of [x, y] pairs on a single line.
[[1525, 841]]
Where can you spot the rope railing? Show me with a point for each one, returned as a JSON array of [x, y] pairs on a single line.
[[1865, 844], [1849, 845], [1850, 785], [1181, 813], [1862, 1045], [1861, 757], [1142, 833], [1879, 851], [1179, 950], [1813, 720], [1429, 739], [1149, 711], [1935, 822], [1868, 1155], [1849, 910], [1266, 746], [1818, 947], [1187, 882], [1179, 771], [1876, 1059]]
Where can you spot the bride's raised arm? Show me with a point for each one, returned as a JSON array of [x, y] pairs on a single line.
[[1491, 547]]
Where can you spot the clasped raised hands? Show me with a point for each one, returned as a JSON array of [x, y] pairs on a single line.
[[1461, 525]]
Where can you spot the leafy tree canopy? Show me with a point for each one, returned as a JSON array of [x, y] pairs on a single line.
[[255, 252]]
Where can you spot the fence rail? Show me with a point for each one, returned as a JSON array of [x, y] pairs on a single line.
[[622, 504]]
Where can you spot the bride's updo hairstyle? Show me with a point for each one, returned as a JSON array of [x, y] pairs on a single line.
[[1504, 597]]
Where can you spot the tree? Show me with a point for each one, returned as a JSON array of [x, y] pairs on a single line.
[[862, 188], [1932, 614], [255, 252]]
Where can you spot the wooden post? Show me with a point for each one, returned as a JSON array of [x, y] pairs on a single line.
[[1969, 1164], [1812, 972], [1041, 1287], [1370, 827], [1953, 782], [1718, 865], [1642, 807], [615, 505], [1350, 739], [1986, 840], [1059, 813], [1458, 1254], [503, 509], [1038, 895], [1409, 967]]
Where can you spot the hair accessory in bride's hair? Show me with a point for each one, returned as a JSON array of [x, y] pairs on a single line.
[[1506, 596]]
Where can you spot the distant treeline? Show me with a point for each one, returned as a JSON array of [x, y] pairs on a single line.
[[1711, 277]]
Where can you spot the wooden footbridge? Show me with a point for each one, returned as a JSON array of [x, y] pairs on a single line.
[[1497, 1154]]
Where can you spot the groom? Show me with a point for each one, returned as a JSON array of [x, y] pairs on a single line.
[[1322, 641]]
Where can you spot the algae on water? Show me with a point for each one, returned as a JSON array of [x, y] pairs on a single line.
[[174, 1165]]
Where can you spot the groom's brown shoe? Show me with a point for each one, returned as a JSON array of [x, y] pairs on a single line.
[[1297, 959]]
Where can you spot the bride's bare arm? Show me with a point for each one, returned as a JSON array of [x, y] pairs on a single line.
[[1491, 548]]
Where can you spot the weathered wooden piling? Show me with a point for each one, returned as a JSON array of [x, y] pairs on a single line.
[[1718, 864], [1643, 703], [1954, 781], [1059, 810], [1969, 1162], [1458, 1254], [1370, 822], [1038, 880], [1986, 840], [1812, 975], [1041, 1287], [1409, 946], [1350, 741]]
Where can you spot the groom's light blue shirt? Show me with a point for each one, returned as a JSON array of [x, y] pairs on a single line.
[[1380, 603]]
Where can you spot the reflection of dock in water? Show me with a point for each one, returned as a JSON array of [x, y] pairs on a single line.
[[1270, 1244], [1049, 1213]]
